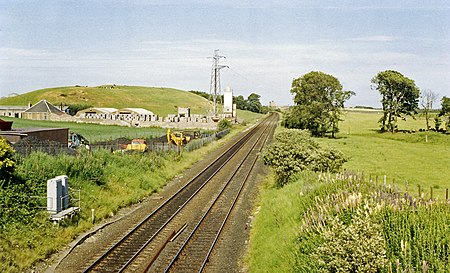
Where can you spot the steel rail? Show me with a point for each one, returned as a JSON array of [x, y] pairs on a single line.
[[181, 249], [175, 213], [226, 154], [232, 206]]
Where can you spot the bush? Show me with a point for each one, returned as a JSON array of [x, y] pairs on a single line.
[[294, 151], [224, 124], [356, 247], [358, 226], [7, 162]]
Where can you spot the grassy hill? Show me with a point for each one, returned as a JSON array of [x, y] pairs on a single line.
[[161, 101]]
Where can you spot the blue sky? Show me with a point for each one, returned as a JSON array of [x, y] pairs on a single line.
[[267, 44]]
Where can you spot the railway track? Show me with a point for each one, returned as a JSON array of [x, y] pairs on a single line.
[[145, 246]]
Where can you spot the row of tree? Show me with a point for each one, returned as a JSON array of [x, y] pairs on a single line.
[[319, 100], [252, 103]]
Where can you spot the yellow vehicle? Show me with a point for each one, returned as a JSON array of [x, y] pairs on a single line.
[[178, 138], [137, 144]]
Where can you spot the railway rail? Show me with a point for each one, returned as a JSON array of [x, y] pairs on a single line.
[[154, 232]]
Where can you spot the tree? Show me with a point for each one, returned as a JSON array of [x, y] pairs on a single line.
[[445, 111], [240, 102], [319, 100], [399, 97], [253, 103], [428, 98]]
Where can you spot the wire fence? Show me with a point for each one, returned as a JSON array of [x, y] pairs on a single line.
[[28, 145]]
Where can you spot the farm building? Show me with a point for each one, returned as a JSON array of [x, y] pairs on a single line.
[[96, 113], [129, 114], [43, 110], [12, 111], [60, 135]]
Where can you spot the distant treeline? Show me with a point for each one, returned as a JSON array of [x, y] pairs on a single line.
[[252, 103]]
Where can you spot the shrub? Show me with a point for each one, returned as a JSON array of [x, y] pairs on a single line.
[[224, 124], [294, 151], [356, 247], [6, 162]]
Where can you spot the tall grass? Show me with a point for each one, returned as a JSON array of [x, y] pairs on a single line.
[[348, 224], [107, 182]]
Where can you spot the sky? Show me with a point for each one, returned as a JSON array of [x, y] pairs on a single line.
[[267, 44]]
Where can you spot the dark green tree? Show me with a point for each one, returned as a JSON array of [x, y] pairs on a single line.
[[445, 111], [265, 109], [400, 97], [240, 102], [319, 101], [253, 103]]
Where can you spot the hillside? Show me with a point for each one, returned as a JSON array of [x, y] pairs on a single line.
[[161, 101]]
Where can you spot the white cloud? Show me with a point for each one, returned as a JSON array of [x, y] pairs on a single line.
[[376, 38], [267, 69], [13, 53]]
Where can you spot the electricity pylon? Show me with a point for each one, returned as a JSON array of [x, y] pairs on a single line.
[[214, 88]]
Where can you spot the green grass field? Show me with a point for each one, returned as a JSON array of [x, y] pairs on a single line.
[[400, 156], [274, 242], [161, 101]]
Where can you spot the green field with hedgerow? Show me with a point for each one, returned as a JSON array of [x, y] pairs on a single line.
[[353, 222]]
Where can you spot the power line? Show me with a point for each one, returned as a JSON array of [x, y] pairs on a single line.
[[214, 87]]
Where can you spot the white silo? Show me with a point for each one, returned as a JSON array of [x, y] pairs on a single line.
[[228, 102]]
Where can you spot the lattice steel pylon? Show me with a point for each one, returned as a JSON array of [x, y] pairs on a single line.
[[214, 88]]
